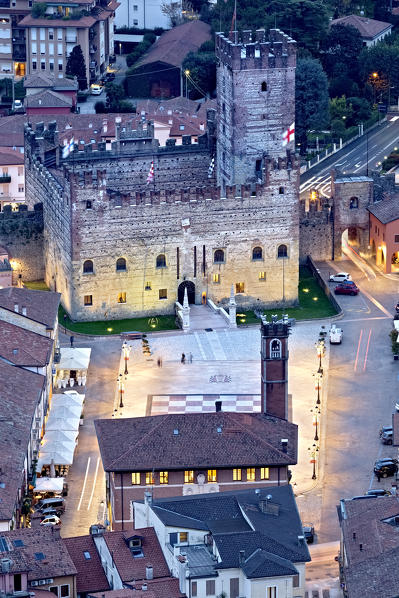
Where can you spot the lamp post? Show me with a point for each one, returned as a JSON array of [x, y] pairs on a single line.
[[121, 390], [316, 412], [126, 352], [313, 450], [317, 386], [320, 351]]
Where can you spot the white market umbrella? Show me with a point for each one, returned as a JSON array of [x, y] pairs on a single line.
[[61, 435], [56, 423], [65, 411], [49, 485]]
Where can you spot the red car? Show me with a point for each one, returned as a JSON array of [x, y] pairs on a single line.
[[346, 288]]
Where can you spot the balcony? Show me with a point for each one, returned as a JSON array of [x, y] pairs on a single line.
[[5, 178], [18, 54]]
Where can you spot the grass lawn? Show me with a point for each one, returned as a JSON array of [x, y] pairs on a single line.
[[313, 303], [37, 285]]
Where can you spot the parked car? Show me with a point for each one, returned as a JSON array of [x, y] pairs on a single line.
[[95, 89], [109, 76], [308, 532], [340, 277], [346, 288], [385, 429], [18, 104], [335, 335], [378, 492], [49, 513], [57, 503], [387, 437], [386, 467], [52, 520]]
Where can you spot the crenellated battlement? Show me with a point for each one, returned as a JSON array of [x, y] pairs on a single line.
[[21, 212], [242, 50]]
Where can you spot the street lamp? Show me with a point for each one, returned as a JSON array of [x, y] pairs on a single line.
[[319, 378], [126, 352], [121, 390], [313, 450], [187, 73], [316, 412], [320, 352]]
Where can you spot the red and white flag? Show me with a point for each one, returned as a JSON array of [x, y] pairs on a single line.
[[289, 135], [150, 176]]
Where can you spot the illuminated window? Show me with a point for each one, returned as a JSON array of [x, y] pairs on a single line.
[[161, 261], [122, 297], [282, 251], [88, 300], [163, 477], [240, 287], [149, 478], [237, 475], [136, 478], [189, 477], [257, 253], [121, 264], [218, 256], [163, 293], [262, 275], [216, 278], [264, 473], [183, 537], [88, 267], [251, 474], [212, 475]]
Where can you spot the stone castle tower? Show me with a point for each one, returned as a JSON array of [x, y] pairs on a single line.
[[274, 367], [256, 102]]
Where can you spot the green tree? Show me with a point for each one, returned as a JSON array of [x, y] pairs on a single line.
[[342, 45], [76, 67], [361, 111], [39, 9], [382, 59], [202, 73], [311, 103], [340, 109]]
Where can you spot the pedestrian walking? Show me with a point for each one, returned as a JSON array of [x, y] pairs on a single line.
[[159, 362], [190, 358], [71, 338], [183, 358]]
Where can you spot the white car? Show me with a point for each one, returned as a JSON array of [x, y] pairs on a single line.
[[335, 335], [96, 90], [340, 277], [52, 520], [18, 104]]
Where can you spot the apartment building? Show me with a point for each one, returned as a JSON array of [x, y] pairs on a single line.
[[12, 178], [51, 38], [12, 36]]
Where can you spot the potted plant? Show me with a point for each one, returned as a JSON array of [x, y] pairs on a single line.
[[394, 343]]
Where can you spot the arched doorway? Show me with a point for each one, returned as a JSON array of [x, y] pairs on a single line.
[[190, 286]]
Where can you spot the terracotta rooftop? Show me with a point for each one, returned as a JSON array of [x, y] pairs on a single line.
[[48, 99], [90, 574], [44, 552], [23, 347], [42, 80], [371, 538], [174, 45], [41, 306], [9, 157], [125, 593], [386, 210], [81, 23], [368, 28], [194, 441]]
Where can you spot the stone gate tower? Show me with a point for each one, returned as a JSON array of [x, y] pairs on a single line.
[[274, 367], [256, 102]]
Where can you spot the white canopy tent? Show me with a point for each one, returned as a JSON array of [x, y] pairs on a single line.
[[49, 485], [56, 423], [65, 411], [72, 367], [70, 397], [58, 446], [62, 458], [61, 435]]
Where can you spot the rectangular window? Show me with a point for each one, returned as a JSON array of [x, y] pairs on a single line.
[[210, 587], [88, 300], [5, 170], [236, 475], [183, 537], [149, 477], [271, 592], [34, 48], [264, 473], [59, 49], [34, 65], [51, 64], [59, 34], [194, 589], [122, 297], [216, 278], [212, 475], [51, 33], [147, 286], [20, 188], [43, 65], [262, 275], [163, 293], [295, 581], [189, 477], [20, 171], [42, 33], [42, 48], [396, 238], [281, 190], [135, 7], [64, 591], [54, 590], [136, 478], [135, 22], [34, 33], [240, 287], [60, 65], [251, 474], [51, 49], [163, 477]]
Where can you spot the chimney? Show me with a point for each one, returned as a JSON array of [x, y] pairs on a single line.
[[241, 557], [15, 351], [23, 310], [149, 572], [218, 406], [284, 444], [16, 307]]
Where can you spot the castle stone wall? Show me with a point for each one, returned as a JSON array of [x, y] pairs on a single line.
[[315, 231]]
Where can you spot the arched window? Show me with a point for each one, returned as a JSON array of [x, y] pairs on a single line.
[[120, 264], [161, 261], [353, 203], [218, 256], [282, 251], [88, 267], [275, 349], [264, 86], [257, 253]]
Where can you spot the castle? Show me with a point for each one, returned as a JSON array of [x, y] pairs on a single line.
[[221, 212]]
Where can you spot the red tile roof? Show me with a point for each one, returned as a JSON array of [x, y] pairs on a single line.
[[203, 440], [368, 28], [131, 568], [48, 99], [156, 588], [9, 157], [23, 347], [41, 306], [91, 576], [81, 23]]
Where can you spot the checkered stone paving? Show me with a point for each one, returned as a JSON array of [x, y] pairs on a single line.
[[161, 404]]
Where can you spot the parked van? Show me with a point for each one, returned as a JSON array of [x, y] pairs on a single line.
[[57, 503]]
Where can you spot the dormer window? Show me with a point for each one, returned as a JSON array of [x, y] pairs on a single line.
[[135, 544]]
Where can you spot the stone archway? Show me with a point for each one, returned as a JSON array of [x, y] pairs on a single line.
[[190, 286]]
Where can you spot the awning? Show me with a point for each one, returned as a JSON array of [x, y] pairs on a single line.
[[63, 457], [56, 423], [49, 485], [74, 358], [58, 446], [61, 435], [68, 398], [65, 411]]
